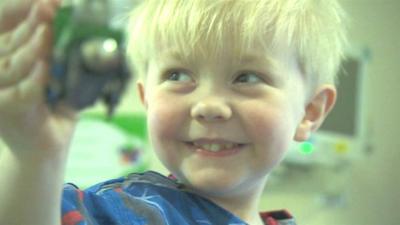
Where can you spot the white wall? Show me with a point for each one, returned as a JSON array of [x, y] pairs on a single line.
[[375, 195], [373, 184]]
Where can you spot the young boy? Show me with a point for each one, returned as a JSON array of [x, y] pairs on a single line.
[[226, 84]]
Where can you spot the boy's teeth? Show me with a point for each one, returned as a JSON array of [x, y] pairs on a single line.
[[214, 147]]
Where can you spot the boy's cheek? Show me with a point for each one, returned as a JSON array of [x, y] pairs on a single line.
[[164, 122], [164, 117], [271, 129]]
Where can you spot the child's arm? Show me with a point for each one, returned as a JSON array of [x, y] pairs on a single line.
[[32, 170]]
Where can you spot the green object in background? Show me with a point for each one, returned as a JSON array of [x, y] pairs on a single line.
[[105, 148], [306, 148], [133, 124]]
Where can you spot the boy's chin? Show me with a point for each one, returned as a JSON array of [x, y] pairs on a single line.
[[213, 182]]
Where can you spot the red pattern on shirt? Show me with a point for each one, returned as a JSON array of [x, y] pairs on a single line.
[[72, 218], [272, 217]]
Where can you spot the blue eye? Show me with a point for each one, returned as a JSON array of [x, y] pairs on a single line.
[[248, 78], [178, 76]]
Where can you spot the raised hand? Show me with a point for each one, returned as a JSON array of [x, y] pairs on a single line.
[[32, 167], [26, 122]]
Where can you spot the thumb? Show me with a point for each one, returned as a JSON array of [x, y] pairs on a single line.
[[32, 88]]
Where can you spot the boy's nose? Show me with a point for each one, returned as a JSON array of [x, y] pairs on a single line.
[[211, 109]]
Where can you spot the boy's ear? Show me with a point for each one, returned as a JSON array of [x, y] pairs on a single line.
[[318, 107], [142, 93]]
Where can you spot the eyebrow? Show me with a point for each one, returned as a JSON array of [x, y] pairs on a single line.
[[257, 58], [172, 53], [267, 63], [246, 59], [263, 61]]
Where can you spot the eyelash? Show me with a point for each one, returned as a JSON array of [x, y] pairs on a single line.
[[170, 73], [174, 72], [260, 79]]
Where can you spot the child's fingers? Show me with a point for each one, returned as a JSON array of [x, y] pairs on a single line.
[[13, 39], [32, 88], [13, 12], [19, 99], [29, 90], [16, 67]]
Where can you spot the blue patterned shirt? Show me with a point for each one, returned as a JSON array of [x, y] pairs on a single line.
[[148, 199]]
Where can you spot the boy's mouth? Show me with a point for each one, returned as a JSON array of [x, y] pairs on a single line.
[[214, 146]]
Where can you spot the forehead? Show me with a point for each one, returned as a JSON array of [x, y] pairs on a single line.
[[224, 56], [278, 59]]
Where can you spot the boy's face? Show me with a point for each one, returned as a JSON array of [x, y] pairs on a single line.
[[220, 124]]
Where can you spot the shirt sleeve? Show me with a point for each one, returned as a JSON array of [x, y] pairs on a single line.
[[72, 207]]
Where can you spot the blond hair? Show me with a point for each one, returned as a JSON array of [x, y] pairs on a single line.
[[314, 28]]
